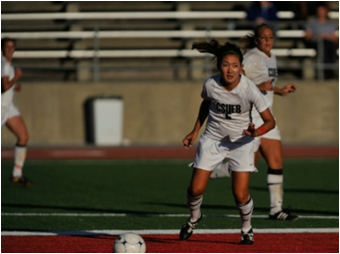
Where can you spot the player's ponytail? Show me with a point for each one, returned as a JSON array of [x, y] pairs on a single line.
[[247, 42], [219, 51], [207, 47]]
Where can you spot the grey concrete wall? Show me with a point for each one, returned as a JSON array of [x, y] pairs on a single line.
[[163, 113]]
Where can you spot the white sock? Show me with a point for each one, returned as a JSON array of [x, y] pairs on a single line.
[[19, 159], [246, 210], [221, 172], [275, 186], [194, 205]]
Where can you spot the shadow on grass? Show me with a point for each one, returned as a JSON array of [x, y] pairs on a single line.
[[152, 213], [80, 209], [226, 208], [309, 191]]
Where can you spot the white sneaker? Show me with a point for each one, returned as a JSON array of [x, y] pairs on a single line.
[[221, 172]]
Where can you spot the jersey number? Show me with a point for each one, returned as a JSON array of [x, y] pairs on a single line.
[[227, 116]]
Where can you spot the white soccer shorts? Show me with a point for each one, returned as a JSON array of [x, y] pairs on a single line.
[[211, 153], [8, 112], [272, 134]]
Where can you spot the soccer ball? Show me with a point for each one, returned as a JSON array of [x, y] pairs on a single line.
[[129, 243]]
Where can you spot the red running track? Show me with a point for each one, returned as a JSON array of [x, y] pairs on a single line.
[[199, 243], [113, 153]]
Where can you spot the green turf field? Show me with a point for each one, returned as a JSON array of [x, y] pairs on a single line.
[[144, 190]]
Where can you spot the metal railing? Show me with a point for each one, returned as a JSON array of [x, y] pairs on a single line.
[[97, 53], [144, 15]]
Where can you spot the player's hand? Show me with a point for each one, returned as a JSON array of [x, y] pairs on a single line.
[[250, 131], [290, 88], [189, 140], [17, 87]]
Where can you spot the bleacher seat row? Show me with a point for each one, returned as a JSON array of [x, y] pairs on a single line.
[[65, 36]]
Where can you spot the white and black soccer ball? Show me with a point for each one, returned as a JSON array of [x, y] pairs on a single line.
[[129, 243]]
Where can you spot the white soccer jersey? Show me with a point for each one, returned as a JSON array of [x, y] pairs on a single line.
[[7, 70], [230, 111], [260, 68]]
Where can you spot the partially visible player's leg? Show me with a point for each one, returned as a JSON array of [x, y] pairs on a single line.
[[241, 162], [271, 150], [198, 184], [195, 193], [209, 155], [17, 125], [244, 203]]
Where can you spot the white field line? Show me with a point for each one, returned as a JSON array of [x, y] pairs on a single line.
[[150, 215], [168, 232]]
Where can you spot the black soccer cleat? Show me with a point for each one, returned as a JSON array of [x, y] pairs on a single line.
[[247, 238], [188, 228], [283, 215], [21, 180]]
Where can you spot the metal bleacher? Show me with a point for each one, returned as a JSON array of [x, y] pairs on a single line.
[[93, 40]]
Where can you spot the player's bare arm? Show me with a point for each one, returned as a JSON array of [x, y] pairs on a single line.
[[7, 84], [265, 86], [289, 88], [269, 123], [202, 115]]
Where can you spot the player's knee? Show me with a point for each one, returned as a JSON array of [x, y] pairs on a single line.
[[241, 198], [276, 163], [23, 139], [196, 191]]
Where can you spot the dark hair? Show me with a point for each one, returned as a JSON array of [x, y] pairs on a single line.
[[248, 42], [5, 40], [219, 51], [323, 4]]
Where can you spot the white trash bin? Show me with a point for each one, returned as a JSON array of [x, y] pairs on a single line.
[[104, 120]]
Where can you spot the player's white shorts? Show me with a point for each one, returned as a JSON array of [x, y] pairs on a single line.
[[8, 112], [272, 134], [211, 153]]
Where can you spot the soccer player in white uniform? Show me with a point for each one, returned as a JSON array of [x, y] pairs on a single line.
[[228, 99], [10, 115], [260, 66]]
